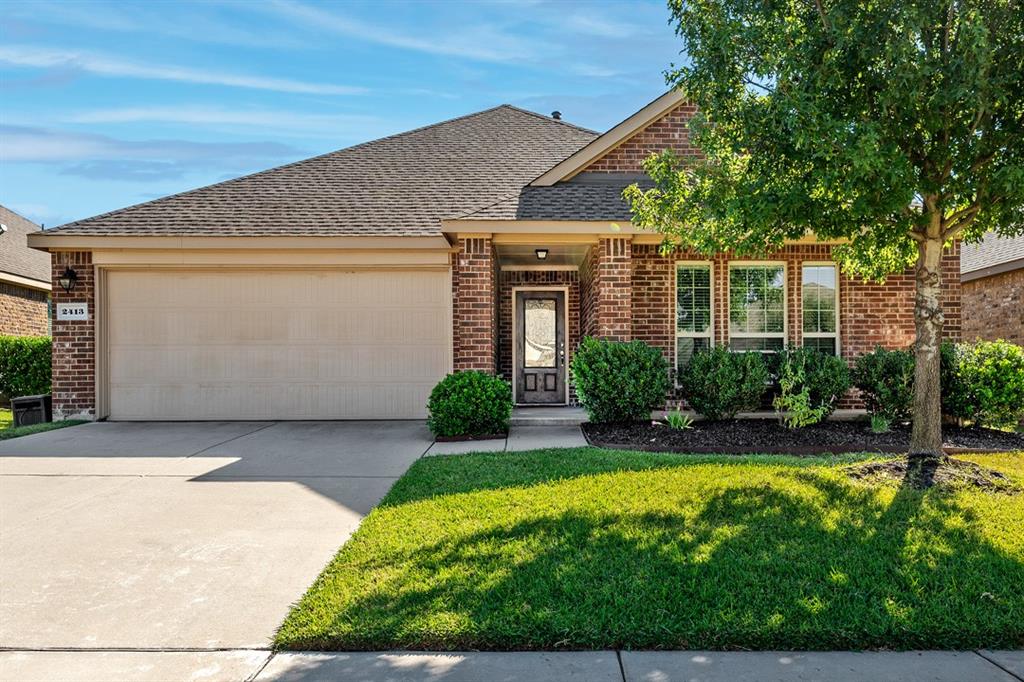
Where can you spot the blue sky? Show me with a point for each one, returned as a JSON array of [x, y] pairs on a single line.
[[104, 105]]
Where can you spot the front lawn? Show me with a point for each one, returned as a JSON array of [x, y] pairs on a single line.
[[7, 431], [597, 549]]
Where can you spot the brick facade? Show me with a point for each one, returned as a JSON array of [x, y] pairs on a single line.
[[993, 307], [74, 343], [613, 289], [474, 285], [671, 131], [23, 311]]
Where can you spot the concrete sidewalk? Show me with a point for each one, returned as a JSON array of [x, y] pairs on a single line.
[[519, 438], [561, 666]]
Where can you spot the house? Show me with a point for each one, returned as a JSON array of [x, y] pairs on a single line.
[[24, 279], [346, 285], [992, 286]]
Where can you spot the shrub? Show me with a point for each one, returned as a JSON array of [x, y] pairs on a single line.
[[718, 383], [619, 382], [879, 424], [983, 382], [469, 404], [886, 382], [810, 383], [24, 365]]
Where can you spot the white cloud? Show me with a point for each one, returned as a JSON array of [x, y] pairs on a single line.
[[199, 115], [42, 58]]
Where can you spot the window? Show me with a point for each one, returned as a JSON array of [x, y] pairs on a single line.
[[693, 310], [757, 307], [820, 308]]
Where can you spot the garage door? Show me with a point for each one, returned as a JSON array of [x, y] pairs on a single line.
[[275, 344]]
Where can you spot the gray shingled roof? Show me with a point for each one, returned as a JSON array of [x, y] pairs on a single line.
[[564, 201], [16, 258], [991, 251], [401, 185]]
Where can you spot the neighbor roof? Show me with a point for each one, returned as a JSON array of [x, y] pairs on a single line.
[[401, 185], [16, 258], [992, 253]]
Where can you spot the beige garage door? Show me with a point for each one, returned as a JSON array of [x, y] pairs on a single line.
[[275, 344]]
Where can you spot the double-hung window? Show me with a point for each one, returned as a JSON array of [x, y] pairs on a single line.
[[693, 310], [757, 307], [820, 306]]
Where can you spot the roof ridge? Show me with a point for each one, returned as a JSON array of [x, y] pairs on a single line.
[[291, 164], [467, 214], [551, 120]]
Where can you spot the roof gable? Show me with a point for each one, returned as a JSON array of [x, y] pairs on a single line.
[[402, 185], [661, 124]]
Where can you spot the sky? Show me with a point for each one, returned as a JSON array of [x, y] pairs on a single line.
[[108, 104]]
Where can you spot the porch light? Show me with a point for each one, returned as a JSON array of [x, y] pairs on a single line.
[[542, 254], [68, 279]]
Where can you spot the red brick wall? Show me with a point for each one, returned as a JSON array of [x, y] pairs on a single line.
[[23, 311], [74, 343], [475, 305], [670, 131], [613, 289], [588, 294], [540, 279], [869, 314], [993, 307]]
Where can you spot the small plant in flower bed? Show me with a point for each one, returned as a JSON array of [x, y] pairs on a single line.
[[810, 382], [469, 404], [886, 382], [983, 383], [718, 383], [679, 421], [879, 424], [619, 382]]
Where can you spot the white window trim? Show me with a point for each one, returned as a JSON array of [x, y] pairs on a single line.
[[820, 335], [784, 334], [710, 335]]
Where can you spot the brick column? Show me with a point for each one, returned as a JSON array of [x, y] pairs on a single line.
[[74, 342], [475, 306], [613, 289]]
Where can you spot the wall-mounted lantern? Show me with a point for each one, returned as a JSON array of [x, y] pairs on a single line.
[[542, 254], [68, 279]]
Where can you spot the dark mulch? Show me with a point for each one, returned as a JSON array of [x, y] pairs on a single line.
[[925, 473], [769, 436]]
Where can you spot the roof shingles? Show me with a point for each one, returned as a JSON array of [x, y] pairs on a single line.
[[401, 185], [16, 258]]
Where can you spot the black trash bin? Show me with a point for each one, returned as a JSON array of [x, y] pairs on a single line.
[[32, 409]]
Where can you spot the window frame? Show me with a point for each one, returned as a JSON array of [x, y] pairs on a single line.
[[784, 334], [676, 334], [821, 335]]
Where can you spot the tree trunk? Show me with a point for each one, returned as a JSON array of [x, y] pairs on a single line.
[[926, 437]]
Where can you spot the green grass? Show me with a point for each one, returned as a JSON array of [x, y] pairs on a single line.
[[591, 548], [7, 431]]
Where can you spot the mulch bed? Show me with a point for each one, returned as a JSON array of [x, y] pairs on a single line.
[[928, 473], [740, 436]]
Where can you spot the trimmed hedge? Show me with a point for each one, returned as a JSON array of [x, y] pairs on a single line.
[[618, 382], [983, 383], [718, 383], [886, 382], [24, 365], [469, 404]]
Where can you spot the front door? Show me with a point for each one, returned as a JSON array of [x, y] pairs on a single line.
[[540, 347]]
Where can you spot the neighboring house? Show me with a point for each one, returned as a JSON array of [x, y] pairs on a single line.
[[992, 276], [347, 285], [24, 279]]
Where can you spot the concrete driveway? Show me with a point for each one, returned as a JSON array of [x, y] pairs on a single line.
[[180, 535]]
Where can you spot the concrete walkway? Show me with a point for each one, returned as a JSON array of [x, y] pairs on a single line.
[[566, 666], [530, 437]]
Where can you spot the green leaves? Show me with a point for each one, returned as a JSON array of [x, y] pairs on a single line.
[[840, 121], [619, 381], [24, 365]]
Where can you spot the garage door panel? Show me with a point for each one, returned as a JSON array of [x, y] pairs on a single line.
[[275, 344]]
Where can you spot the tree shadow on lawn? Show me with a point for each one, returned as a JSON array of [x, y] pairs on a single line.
[[801, 560]]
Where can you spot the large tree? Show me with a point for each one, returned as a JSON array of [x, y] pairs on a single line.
[[894, 127]]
